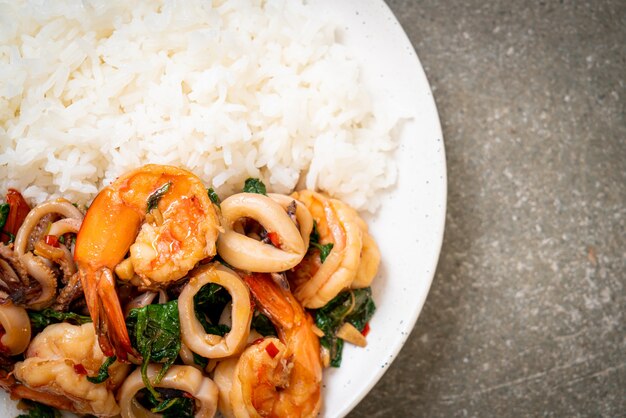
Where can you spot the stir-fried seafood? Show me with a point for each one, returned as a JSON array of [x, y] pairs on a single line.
[[317, 282], [183, 378], [142, 267], [58, 361], [279, 378], [164, 217]]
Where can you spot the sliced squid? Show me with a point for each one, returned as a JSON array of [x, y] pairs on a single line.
[[192, 332], [184, 378], [247, 253]]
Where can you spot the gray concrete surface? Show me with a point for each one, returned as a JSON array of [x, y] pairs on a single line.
[[526, 312]]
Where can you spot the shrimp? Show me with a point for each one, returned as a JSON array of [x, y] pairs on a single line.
[[279, 377], [57, 364], [316, 283], [163, 215]]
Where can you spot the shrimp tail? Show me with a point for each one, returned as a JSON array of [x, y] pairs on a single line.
[[107, 315], [274, 301]]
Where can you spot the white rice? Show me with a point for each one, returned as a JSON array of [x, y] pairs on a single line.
[[227, 89]]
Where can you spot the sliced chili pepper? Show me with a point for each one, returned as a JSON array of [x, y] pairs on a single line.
[[258, 341], [19, 208], [366, 329], [3, 349], [52, 240], [274, 238], [80, 369], [271, 350]]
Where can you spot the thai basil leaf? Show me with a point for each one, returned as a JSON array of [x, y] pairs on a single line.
[[200, 361], [38, 410], [103, 372], [254, 186], [154, 331], [175, 408], [324, 250], [41, 319], [209, 303], [170, 403], [314, 242], [4, 214], [353, 306], [213, 196], [153, 199], [262, 324]]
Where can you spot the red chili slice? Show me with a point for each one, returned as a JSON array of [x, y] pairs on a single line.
[[3, 349], [18, 209], [258, 341], [52, 240], [274, 238], [271, 350], [366, 329], [80, 369]]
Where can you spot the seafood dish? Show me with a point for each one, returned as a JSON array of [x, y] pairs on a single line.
[[162, 298], [183, 188]]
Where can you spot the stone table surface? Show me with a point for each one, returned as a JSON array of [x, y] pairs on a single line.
[[525, 316]]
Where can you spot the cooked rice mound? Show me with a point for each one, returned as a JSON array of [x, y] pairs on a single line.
[[226, 89]]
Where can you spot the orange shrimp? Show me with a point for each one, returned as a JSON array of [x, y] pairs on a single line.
[[280, 378], [165, 241]]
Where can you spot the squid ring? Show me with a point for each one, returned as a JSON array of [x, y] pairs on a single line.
[[192, 332], [16, 324], [185, 378], [60, 206], [249, 254], [303, 216]]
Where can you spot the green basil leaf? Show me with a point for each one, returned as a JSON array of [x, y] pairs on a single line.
[[314, 243], [213, 196], [155, 332], [38, 410], [209, 303], [153, 199], [262, 324], [353, 306], [41, 319], [103, 372], [314, 237], [324, 250], [254, 186], [200, 361], [170, 403], [4, 214]]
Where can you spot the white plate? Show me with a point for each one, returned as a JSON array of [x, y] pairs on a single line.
[[409, 226]]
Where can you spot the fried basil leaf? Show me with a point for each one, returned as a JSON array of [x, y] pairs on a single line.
[[213, 196], [262, 324], [200, 361], [209, 303], [38, 410], [103, 372], [354, 306], [314, 242], [4, 214], [41, 319], [154, 331], [254, 186], [170, 403], [153, 199]]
